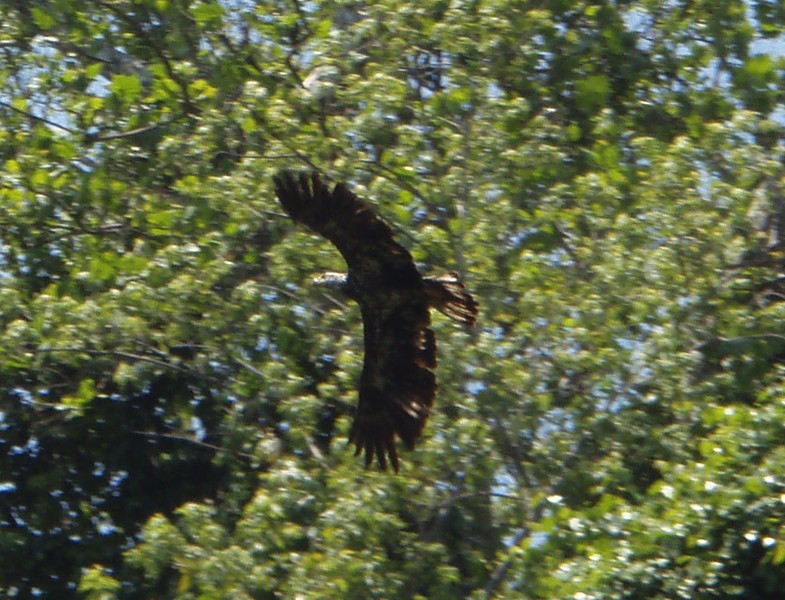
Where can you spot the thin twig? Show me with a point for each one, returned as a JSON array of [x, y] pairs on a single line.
[[190, 440], [138, 131], [119, 354]]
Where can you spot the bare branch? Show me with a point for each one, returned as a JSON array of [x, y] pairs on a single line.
[[33, 117]]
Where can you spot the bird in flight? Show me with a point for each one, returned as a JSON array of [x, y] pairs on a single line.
[[397, 384]]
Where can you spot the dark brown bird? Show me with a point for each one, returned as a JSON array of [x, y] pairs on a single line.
[[397, 385]]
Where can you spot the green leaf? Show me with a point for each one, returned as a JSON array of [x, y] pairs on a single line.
[[127, 88], [758, 70], [43, 18], [83, 396], [208, 13], [593, 92], [97, 584]]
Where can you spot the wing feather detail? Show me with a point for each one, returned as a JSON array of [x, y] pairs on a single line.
[[365, 241]]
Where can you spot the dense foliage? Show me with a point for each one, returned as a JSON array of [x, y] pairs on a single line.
[[175, 398]]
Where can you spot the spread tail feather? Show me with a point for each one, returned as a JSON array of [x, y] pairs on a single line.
[[448, 295]]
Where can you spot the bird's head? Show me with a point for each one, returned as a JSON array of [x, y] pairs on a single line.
[[331, 280]]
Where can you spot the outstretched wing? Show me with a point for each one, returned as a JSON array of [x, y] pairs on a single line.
[[397, 386]]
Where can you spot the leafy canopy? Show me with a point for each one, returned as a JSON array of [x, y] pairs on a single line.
[[175, 398]]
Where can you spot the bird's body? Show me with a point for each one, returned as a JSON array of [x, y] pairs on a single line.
[[397, 385], [443, 292]]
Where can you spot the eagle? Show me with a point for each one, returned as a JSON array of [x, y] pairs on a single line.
[[397, 385]]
